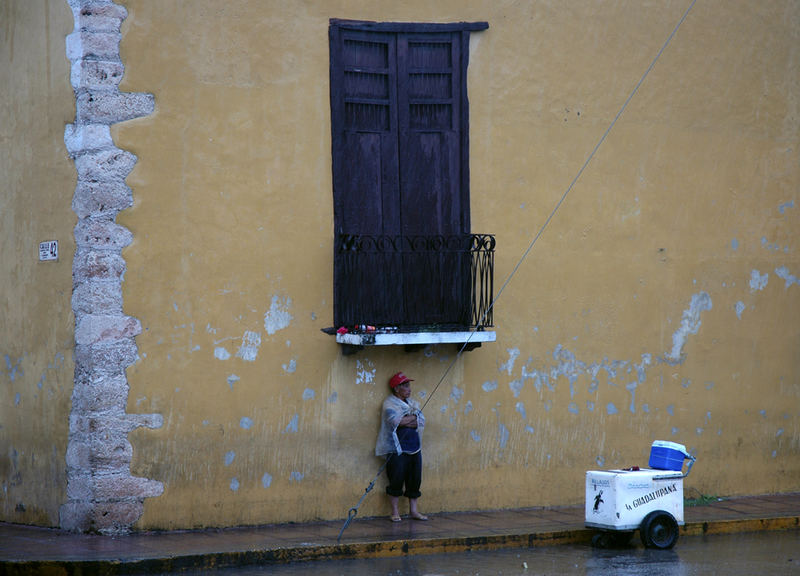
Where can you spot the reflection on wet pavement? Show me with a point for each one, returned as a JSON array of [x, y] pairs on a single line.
[[773, 553]]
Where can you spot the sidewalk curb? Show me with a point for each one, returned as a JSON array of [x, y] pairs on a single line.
[[743, 525], [384, 549]]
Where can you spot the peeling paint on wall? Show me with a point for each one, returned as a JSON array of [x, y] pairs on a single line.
[[690, 324], [569, 367], [758, 281], [508, 366], [773, 246], [631, 387], [365, 372], [248, 351], [13, 369], [789, 278], [503, 435], [278, 316], [293, 425]]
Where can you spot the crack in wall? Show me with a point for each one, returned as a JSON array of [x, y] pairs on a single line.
[[102, 495]]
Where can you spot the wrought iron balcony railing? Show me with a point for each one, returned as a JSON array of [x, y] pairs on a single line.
[[414, 283]]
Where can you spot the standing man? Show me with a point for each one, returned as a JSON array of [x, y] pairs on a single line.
[[400, 440]]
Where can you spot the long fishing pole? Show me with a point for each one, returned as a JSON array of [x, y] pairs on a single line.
[[351, 514], [561, 200], [353, 511]]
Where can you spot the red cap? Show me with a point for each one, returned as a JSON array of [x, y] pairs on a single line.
[[398, 379]]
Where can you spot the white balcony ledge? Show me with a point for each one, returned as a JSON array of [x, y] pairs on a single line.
[[473, 339]]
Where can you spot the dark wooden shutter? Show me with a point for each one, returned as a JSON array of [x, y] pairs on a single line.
[[430, 185], [365, 170], [429, 124], [364, 120], [400, 171]]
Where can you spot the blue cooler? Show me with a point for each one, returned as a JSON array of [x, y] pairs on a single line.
[[667, 455]]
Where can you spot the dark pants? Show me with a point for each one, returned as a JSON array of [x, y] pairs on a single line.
[[404, 469]]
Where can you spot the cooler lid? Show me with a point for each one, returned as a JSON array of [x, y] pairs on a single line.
[[671, 445]]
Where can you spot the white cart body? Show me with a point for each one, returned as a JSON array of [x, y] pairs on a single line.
[[620, 499]]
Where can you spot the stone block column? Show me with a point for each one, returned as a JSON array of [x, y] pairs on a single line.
[[102, 495]]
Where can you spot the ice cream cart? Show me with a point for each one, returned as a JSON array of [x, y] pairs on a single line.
[[619, 502]]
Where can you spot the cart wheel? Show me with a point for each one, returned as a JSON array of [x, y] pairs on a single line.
[[659, 530], [611, 539], [600, 540]]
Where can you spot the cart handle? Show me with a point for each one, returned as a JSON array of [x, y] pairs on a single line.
[[672, 476]]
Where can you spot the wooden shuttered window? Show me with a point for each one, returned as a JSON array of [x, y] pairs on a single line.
[[399, 122]]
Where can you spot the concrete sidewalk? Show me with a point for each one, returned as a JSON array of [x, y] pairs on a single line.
[[29, 550]]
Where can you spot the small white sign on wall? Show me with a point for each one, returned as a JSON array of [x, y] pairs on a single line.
[[48, 250]]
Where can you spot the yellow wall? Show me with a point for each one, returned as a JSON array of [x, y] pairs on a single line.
[[37, 180], [620, 328]]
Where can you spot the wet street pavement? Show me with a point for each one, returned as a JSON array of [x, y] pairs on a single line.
[[751, 554], [541, 534]]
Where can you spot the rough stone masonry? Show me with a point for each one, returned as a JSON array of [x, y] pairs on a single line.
[[102, 495]]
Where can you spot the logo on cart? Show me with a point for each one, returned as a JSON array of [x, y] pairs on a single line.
[[597, 501], [655, 495]]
